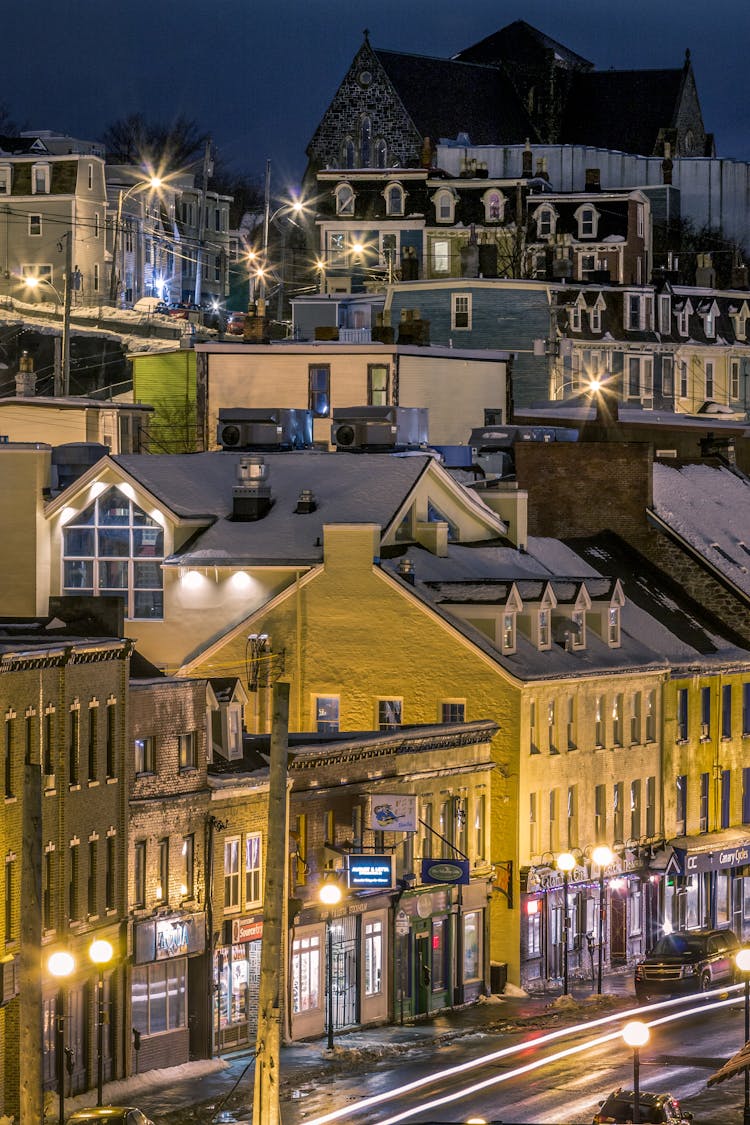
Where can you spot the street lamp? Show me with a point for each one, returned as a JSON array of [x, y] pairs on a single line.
[[329, 894], [565, 863], [742, 960], [153, 182], [101, 953], [636, 1035], [62, 373], [602, 857], [293, 209], [60, 964]]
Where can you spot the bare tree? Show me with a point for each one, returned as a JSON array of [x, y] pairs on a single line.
[[169, 146]]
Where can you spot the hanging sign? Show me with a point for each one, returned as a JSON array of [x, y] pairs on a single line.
[[393, 812], [367, 872], [445, 871]]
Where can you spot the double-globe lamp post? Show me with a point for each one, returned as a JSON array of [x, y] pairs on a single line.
[[636, 1034], [61, 965], [602, 857], [742, 960], [329, 894], [565, 863]]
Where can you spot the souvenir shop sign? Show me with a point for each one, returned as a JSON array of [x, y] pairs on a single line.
[[246, 929], [393, 812]]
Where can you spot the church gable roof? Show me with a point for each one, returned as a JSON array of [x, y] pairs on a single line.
[[518, 42], [599, 108], [444, 98]]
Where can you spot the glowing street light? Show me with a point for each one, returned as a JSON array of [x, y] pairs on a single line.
[[101, 953], [602, 857], [636, 1035], [60, 965], [565, 862], [329, 894], [742, 960]]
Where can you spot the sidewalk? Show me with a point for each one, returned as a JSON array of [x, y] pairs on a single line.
[[198, 1092]]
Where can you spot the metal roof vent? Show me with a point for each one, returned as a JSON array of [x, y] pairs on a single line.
[[306, 502], [251, 495], [406, 570]]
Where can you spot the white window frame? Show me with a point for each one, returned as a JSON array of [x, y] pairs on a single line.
[[665, 313], [545, 218], [390, 188], [461, 309], [441, 255], [374, 957], [253, 869], [709, 378], [345, 199], [232, 888], [36, 169], [487, 198], [444, 195], [35, 221], [6, 179], [508, 631], [709, 322], [734, 379], [579, 215]]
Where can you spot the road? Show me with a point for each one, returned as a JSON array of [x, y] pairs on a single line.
[[564, 1091]]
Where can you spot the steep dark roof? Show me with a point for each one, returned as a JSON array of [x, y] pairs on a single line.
[[519, 41], [595, 110], [444, 98]]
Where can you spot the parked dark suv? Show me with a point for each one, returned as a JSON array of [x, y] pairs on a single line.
[[687, 961], [653, 1108]]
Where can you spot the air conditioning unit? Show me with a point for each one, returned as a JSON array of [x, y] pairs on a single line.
[[243, 429], [379, 429]]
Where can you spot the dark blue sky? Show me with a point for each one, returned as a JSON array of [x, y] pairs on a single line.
[[258, 75]]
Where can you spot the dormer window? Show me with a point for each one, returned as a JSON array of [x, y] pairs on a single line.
[[546, 221], [709, 321], [508, 637], [494, 206], [738, 316], [575, 318], [595, 314], [394, 199], [665, 314], [545, 633], [683, 319], [588, 221], [40, 179], [613, 626], [344, 200], [578, 630], [445, 206]]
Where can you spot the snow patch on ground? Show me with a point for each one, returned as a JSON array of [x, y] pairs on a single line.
[[126, 1091]]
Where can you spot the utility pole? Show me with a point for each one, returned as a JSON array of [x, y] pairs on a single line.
[[67, 282], [266, 1107], [30, 993], [202, 223]]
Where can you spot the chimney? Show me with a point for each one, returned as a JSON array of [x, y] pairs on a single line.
[[251, 495], [26, 377], [593, 179], [527, 168]]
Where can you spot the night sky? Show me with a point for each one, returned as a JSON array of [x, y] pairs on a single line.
[[258, 75]]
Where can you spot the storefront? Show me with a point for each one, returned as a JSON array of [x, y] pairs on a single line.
[[706, 883], [624, 918], [168, 989], [237, 983]]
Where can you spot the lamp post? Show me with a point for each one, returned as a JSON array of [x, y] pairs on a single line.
[[60, 965], [565, 863], [602, 857], [62, 373], [101, 953], [742, 960], [636, 1035], [153, 182], [329, 894]]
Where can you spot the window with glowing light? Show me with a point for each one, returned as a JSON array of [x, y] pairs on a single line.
[[305, 974], [113, 547], [253, 869], [373, 958]]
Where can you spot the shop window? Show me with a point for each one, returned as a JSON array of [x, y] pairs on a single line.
[[158, 996], [305, 974], [373, 958], [472, 968], [438, 954], [534, 930]]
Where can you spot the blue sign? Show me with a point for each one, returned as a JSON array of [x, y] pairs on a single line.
[[445, 871], [367, 872]]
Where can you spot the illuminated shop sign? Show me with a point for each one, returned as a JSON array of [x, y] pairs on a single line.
[[445, 871], [369, 871]]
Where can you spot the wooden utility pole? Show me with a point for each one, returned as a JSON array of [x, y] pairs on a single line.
[[266, 1110], [30, 991]]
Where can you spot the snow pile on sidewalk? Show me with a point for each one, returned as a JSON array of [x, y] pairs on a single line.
[[126, 1090]]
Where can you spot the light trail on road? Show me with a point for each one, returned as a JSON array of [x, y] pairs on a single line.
[[505, 1052]]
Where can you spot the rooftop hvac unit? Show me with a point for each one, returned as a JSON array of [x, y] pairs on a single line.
[[379, 429], [243, 429]]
